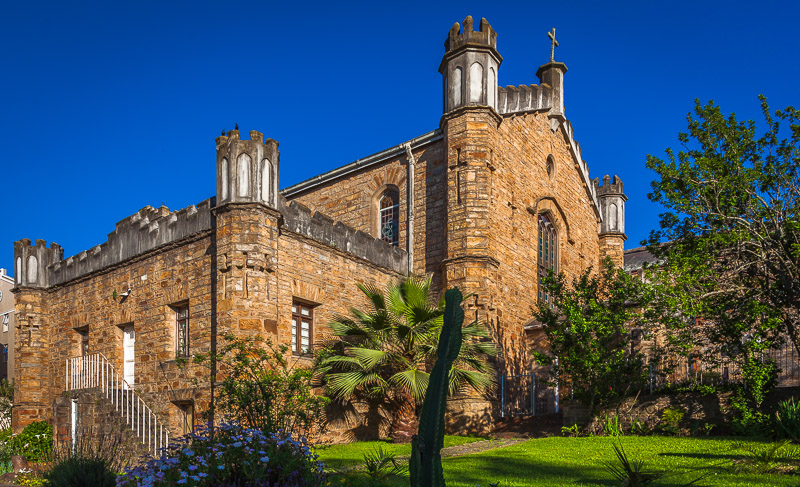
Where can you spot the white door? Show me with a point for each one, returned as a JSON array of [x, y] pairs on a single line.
[[128, 342], [73, 429]]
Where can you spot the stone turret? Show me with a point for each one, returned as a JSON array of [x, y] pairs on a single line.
[[470, 66], [611, 200], [31, 262], [247, 170], [32, 345]]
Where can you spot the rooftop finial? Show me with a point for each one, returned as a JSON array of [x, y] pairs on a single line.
[[553, 44], [236, 125]]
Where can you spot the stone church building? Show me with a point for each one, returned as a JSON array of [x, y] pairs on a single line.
[[489, 200]]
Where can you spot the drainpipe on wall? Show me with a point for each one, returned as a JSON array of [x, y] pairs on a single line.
[[410, 209]]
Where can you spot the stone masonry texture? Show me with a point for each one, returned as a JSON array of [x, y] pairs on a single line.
[[240, 259]]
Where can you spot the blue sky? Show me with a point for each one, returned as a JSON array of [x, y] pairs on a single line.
[[111, 106]]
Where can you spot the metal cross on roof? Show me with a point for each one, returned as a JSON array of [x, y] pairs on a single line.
[[553, 44]]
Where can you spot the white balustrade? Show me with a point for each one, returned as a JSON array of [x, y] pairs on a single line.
[[96, 371]]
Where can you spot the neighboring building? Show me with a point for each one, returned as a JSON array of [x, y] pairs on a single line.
[[693, 369], [6, 326], [489, 201]]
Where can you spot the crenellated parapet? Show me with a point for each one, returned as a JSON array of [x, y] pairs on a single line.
[[522, 98], [470, 65], [547, 95], [484, 37], [32, 261], [247, 170], [612, 205], [147, 229], [316, 226]]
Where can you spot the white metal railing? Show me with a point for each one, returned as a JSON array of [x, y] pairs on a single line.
[[96, 371]]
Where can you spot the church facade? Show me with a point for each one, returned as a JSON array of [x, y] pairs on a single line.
[[488, 201]]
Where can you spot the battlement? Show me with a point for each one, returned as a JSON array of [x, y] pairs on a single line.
[[256, 137], [145, 230], [612, 205], [609, 187], [316, 226], [484, 36], [522, 98], [247, 170], [31, 262]]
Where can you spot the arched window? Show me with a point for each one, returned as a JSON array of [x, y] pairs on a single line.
[[547, 253], [389, 213]]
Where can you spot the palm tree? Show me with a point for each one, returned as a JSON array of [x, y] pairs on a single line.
[[387, 352]]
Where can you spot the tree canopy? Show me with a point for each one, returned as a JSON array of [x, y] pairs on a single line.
[[731, 233]]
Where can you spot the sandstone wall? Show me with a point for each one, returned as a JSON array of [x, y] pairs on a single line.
[[158, 280], [351, 199], [520, 190]]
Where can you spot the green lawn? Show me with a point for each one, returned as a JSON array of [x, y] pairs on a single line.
[[579, 461], [337, 456]]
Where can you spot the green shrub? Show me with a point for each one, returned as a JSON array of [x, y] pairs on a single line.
[[261, 389], [35, 442], [671, 419], [572, 431], [7, 445], [93, 460], [30, 480], [787, 420], [81, 471]]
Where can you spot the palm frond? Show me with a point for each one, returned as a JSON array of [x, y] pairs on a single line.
[[462, 379], [367, 358], [374, 295], [413, 380]]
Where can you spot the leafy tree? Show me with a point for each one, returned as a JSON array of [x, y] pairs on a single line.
[[732, 223], [260, 389], [728, 286], [588, 330], [386, 353]]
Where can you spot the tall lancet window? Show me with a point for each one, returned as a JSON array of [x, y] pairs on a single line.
[[547, 253], [390, 216]]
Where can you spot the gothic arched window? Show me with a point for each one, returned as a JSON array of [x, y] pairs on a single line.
[[389, 216], [547, 253]]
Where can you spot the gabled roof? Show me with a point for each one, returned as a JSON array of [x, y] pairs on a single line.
[[636, 258]]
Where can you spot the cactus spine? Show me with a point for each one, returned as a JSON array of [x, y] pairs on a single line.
[[425, 467]]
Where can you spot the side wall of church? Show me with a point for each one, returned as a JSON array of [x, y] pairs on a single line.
[[351, 199]]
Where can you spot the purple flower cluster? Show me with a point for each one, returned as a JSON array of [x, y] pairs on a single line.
[[232, 456]]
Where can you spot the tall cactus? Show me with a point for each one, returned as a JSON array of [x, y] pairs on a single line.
[[425, 467]]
